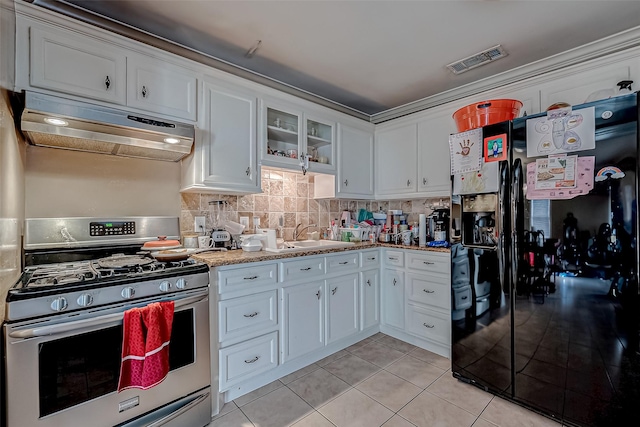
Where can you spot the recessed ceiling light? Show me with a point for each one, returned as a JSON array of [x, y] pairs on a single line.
[[171, 140], [55, 121]]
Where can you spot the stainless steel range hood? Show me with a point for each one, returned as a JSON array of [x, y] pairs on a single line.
[[52, 121]]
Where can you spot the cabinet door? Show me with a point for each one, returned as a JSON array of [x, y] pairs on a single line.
[[79, 66], [433, 154], [396, 163], [393, 298], [355, 162], [229, 140], [576, 88], [369, 298], [320, 144], [303, 319], [281, 131], [162, 88], [342, 307]]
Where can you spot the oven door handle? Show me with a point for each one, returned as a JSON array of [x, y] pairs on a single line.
[[164, 420], [108, 319]]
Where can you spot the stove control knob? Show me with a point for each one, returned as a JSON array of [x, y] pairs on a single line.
[[165, 286], [85, 300], [181, 283], [59, 304], [128, 292]]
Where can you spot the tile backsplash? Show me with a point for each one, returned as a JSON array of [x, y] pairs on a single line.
[[290, 195]]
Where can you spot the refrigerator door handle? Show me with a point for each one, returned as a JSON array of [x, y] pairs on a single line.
[[502, 218], [516, 220]]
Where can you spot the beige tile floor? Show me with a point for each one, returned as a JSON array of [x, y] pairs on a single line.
[[379, 381]]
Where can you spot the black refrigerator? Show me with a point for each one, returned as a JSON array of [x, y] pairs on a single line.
[[545, 253]]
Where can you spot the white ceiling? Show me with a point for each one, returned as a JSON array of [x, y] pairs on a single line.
[[374, 55]]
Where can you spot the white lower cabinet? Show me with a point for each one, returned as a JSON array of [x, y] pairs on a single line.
[[303, 318], [369, 298], [342, 307], [393, 298], [249, 358], [416, 298]]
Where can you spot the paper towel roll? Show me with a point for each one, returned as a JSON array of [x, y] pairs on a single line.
[[422, 233]]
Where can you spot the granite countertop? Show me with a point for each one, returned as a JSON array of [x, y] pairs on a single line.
[[218, 258]]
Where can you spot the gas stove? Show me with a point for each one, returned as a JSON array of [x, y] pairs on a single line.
[[82, 263]]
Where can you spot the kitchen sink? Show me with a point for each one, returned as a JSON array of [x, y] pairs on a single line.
[[307, 245]]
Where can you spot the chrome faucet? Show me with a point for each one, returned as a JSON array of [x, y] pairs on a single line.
[[297, 233]]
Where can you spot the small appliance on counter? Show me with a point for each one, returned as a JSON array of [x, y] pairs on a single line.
[[219, 235], [439, 225]]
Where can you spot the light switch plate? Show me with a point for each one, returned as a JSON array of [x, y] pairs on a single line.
[[198, 224], [244, 220]]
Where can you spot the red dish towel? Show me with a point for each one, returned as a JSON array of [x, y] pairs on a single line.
[[145, 345]]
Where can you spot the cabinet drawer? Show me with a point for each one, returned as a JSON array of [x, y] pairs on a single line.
[[427, 289], [437, 263], [248, 315], [237, 278], [370, 259], [395, 258], [427, 324], [242, 361], [303, 268], [342, 262]]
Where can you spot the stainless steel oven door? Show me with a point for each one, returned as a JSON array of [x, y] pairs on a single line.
[[63, 370]]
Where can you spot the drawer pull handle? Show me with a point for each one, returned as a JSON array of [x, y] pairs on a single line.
[[251, 278], [464, 297], [255, 359], [394, 282], [107, 83], [318, 294], [429, 326], [424, 181], [428, 262], [429, 291], [144, 91], [344, 263], [369, 282], [254, 314], [305, 269], [371, 258], [393, 259], [334, 290]]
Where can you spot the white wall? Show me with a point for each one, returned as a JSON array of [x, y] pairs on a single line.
[[12, 161], [64, 183]]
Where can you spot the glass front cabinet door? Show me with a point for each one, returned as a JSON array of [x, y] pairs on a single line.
[[295, 140]]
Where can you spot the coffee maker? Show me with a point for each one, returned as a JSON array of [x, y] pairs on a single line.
[[220, 237], [439, 225]]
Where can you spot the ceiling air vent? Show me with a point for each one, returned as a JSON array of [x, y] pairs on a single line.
[[477, 60]]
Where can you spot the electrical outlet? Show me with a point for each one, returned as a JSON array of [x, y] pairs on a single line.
[[199, 224]]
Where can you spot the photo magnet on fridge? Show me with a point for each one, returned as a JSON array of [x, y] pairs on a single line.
[[495, 148]]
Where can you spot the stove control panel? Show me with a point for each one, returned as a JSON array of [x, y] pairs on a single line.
[[106, 228]]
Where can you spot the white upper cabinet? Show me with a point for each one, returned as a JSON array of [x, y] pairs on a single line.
[[74, 63], [288, 135], [81, 66], [355, 162], [396, 163], [161, 87], [576, 87], [433, 153], [224, 158]]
